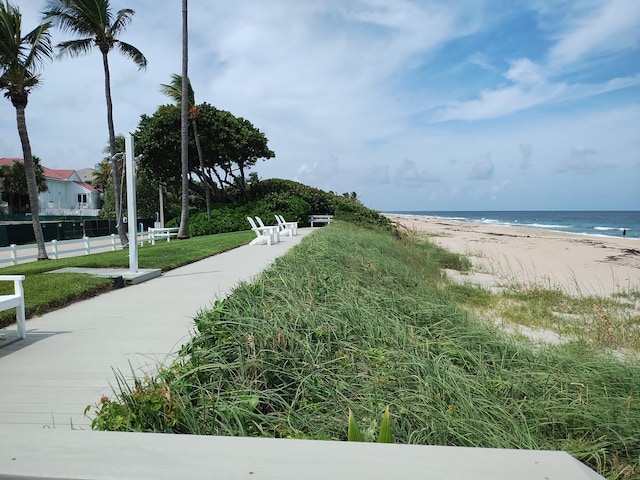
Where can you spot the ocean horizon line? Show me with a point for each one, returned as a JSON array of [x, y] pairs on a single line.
[[594, 223]]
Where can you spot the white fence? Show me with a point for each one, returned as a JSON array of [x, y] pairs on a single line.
[[14, 254]]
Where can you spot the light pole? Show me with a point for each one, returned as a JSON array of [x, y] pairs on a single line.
[[161, 195], [131, 205]]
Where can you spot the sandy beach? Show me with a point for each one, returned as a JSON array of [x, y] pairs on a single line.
[[577, 264]]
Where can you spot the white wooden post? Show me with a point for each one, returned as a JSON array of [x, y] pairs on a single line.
[[113, 242], [14, 254], [20, 315], [87, 247], [54, 249]]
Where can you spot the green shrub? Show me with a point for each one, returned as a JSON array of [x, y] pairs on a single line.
[[293, 200]]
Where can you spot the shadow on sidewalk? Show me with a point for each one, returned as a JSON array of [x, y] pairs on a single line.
[[10, 341]]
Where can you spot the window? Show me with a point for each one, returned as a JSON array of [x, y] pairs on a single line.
[[82, 198]]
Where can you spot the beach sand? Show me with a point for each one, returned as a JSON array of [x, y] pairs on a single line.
[[505, 255]]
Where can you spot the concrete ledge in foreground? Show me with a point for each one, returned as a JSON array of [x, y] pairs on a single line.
[[91, 455]]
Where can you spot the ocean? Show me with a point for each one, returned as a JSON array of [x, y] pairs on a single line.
[[595, 223]]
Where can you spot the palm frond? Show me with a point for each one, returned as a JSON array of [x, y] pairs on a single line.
[[173, 90], [133, 53], [75, 48], [119, 25], [75, 17], [41, 48], [20, 56]]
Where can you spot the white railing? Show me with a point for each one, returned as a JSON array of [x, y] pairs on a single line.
[[14, 254], [69, 212]]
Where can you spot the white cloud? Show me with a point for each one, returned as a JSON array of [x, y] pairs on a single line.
[[480, 59], [584, 160], [482, 169], [526, 152], [613, 27], [529, 88], [408, 174]]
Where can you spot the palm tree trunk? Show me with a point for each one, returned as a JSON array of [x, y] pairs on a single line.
[[115, 168], [183, 230], [207, 195], [32, 184]]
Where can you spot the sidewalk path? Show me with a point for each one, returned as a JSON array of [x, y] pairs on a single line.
[[70, 355]]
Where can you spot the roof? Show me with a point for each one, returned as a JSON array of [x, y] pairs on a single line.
[[47, 172], [86, 174], [57, 174], [9, 161], [87, 186]]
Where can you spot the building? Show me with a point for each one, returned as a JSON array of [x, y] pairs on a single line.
[[67, 194]]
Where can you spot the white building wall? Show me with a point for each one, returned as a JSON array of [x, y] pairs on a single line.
[[63, 195]]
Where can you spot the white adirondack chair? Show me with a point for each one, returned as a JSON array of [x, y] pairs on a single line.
[[15, 300], [287, 227], [273, 229], [262, 235]]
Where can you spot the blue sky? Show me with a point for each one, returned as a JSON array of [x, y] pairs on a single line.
[[415, 105]]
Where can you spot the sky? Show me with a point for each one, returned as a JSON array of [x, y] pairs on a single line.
[[413, 104]]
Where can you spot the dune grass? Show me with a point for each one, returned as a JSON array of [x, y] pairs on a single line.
[[358, 319], [47, 291], [610, 323]]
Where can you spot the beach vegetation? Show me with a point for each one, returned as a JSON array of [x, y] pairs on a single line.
[[609, 323], [294, 200], [360, 319]]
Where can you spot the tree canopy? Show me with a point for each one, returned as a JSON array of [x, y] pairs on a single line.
[[231, 146], [13, 178]]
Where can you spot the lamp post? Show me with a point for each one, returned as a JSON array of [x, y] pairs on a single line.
[[131, 204]]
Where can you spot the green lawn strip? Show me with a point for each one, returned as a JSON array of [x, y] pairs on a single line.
[[47, 291], [358, 319]]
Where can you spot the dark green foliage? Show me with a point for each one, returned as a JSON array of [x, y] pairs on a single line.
[[231, 146], [293, 200], [14, 180]]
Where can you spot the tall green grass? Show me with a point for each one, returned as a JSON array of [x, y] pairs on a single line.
[[359, 319]]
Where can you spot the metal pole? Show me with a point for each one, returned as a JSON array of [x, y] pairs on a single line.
[[132, 220], [161, 193]]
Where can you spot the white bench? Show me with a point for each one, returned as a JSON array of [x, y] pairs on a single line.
[[320, 219], [15, 300], [162, 233]]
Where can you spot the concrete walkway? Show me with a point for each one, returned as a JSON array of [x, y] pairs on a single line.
[[70, 355]]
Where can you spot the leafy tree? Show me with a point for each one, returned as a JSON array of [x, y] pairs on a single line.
[[173, 90], [14, 181], [230, 146], [20, 58], [94, 25]]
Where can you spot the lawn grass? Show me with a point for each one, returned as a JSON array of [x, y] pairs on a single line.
[[359, 319], [47, 291]]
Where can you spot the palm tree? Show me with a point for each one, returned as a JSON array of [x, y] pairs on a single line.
[[183, 229], [173, 90], [93, 22], [20, 57]]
